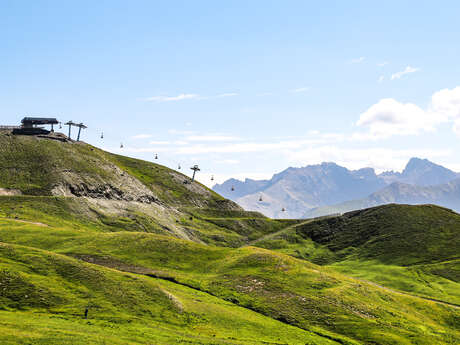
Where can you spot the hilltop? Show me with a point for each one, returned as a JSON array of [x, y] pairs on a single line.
[[103, 189], [154, 259]]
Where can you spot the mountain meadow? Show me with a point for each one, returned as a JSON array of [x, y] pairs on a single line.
[[98, 248]]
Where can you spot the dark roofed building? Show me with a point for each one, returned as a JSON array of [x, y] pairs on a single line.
[[30, 125], [35, 121]]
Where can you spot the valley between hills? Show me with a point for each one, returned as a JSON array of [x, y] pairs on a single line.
[[98, 248]]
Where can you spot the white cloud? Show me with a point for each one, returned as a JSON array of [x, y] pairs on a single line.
[[447, 102], [180, 142], [228, 161], [381, 79], [300, 89], [141, 136], [407, 70], [212, 137], [159, 143], [246, 147], [389, 117], [378, 158], [382, 64], [446, 105], [179, 132], [229, 94], [181, 97], [358, 60], [187, 96], [457, 127], [314, 148], [263, 94]]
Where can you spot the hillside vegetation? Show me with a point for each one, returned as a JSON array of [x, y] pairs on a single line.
[[410, 248], [154, 260], [86, 185]]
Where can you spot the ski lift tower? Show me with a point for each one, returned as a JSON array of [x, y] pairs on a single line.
[[70, 124], [79, 125], [195, 169]]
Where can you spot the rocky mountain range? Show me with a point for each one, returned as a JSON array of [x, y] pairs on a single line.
[[328, 188]]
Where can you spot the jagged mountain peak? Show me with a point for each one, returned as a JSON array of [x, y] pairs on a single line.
[[424, 172], [416, 163], [326, 184]]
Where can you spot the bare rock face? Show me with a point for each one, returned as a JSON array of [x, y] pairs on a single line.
[[10, 192], [107, 191], [122, 186]]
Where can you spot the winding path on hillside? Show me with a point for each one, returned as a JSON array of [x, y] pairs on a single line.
[[274, 234], [23, 221]]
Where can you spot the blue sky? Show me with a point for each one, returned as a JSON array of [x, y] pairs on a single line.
[[242, 88]]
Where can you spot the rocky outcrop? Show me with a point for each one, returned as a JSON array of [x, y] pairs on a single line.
[[107, 191], [9, 192], [122, 186]]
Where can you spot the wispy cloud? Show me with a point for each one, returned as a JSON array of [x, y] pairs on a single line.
[[300, 152], [179, 132], [407, 70], [358, 60], [141, 136], [159, 142], [262, 94], [381, 79], [382, 64], [181, 97], [228, 94], [300, 89], [187, 96], [228, 161], [212, 137]]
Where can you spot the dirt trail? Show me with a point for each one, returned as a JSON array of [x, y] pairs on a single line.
[[23, 221], [274, 234]]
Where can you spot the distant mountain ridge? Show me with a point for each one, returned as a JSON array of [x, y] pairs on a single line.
[[446, 195], [421, 172], [329, 188]]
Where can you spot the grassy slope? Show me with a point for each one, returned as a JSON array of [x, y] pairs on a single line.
[[50, 293], [131, 237], [32, 165], [36, 166], [408, 248], [275, 285]]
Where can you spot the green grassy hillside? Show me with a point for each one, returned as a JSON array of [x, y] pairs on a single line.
[[77, 182], [44, 297], [158, 261], [293, 291], [408, 248], [396, 234]]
